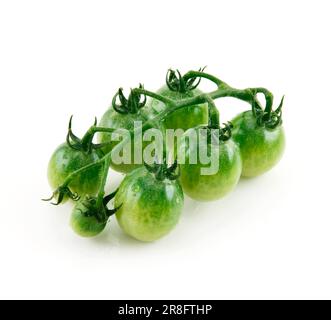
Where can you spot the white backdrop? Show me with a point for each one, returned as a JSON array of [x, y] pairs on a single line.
[[269, 239]]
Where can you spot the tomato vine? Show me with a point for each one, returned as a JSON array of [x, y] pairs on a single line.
[[264, 117]]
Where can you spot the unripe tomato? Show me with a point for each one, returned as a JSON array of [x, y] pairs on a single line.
[[207, 187], [66, 160], [148, 208], [261, 148]]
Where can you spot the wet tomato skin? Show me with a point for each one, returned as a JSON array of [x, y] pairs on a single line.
[[214, 186], [65, 161], [150, 208], [261, 148]]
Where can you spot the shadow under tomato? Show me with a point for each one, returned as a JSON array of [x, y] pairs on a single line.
[[115, 237]]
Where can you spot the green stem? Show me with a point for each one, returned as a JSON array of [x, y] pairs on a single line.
[[213, 114], [248, 95], [245, 94], [269, 98], [71, 176], [101, 192], [156, 96], [87, 139], [200, 74], [101, 129]]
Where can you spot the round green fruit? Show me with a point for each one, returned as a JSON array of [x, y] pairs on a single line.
[[66, 160], [261, 148], [148, 208], [224, 168]]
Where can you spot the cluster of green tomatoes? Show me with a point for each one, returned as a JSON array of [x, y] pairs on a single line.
[[149, 200]]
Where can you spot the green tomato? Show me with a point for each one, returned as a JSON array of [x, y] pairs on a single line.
[[149, 208], [115, 120], [65, 161], [261, 148], [85, 226], [184, 118], [218, 182]]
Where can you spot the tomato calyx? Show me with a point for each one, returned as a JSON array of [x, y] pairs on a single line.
[[161, 170], [86, 143], [176, 82], [132, 104], [226, 131], [60, 193], [92, 208], [217, 134], [267, 117]]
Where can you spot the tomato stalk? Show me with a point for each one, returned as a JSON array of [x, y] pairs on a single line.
[[156, 96], [268, 97], [101, 192], [86, 142], [213, 114], [201, 74]]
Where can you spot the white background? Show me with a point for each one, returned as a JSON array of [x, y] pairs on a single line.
[[269, 239]]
